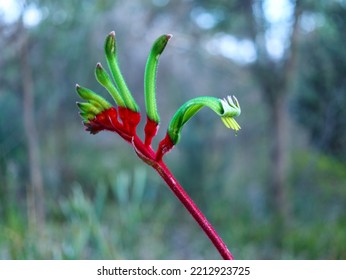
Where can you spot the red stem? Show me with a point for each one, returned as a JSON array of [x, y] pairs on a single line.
[[185, 199], [148, 155]]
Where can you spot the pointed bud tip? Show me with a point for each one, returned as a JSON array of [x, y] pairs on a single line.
[[98, 65], [160, 44], [109, 46]]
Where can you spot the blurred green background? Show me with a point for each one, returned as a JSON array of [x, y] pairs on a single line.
[[277, 190]]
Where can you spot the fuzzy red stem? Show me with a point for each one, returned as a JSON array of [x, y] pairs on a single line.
[[184, 198], [150, 130], [147, 154]]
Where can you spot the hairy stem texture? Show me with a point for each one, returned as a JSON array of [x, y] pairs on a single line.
[[178, 190], [148, 155]]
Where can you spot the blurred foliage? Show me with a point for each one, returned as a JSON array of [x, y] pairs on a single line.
[[320, 101], [101, 203]]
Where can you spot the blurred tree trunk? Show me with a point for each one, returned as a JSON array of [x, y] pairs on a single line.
[[280, 118], [35, 191], [275, 80], [279, 159]]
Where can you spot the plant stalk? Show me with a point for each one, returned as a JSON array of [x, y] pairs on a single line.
[[185, 199], [147, 154]]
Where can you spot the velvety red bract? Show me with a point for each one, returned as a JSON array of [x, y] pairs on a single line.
[[130, 120], [150, 131], [164, 147], [108, 120]]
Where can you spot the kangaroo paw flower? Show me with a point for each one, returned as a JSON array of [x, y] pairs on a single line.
[[92, 97], [103, 78], [227, 109], [98, 114], [150, 76], [153, 118], [111, 56]]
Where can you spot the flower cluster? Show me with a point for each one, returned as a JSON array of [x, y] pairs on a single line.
[[98, 114]]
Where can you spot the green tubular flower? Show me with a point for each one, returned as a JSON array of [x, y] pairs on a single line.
[[111, 56], [150, 76], [227, 109], [89, 95], [103, 78], [86, 116], [231, 109], [88, 108]]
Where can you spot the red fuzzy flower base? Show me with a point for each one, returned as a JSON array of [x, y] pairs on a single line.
[[124, 122], [108, 120]]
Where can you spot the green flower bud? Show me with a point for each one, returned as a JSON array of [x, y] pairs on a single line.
[[88, 108], [86, 116], [93, 97], [227, 109], [111, 56], [103, 78], [150, 77]]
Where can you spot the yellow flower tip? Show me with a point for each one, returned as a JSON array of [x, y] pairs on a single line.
[[231, 109], [231, 123]]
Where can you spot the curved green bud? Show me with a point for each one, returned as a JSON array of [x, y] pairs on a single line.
[[111, 56], [96, 104], [227, 109], [103, 78], [86, 116], [150, 76], [88, 108], [93, 97]]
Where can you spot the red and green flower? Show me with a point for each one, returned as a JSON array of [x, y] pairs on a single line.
[[122, 118]]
